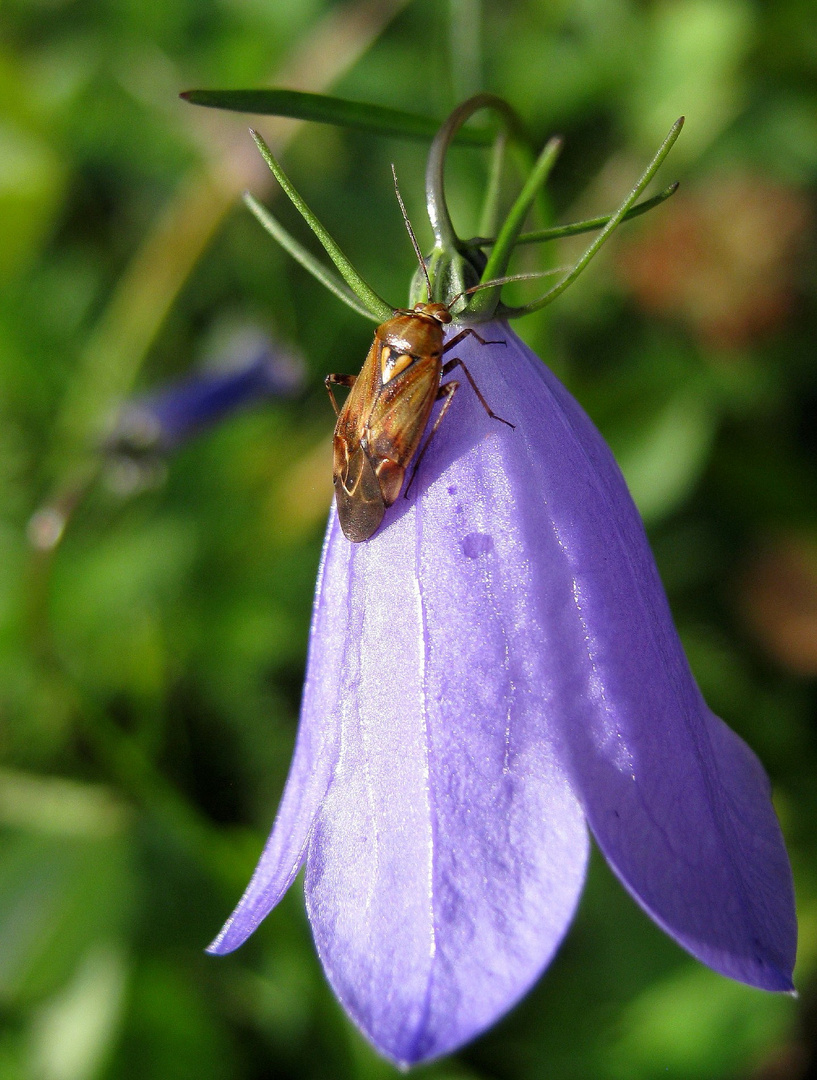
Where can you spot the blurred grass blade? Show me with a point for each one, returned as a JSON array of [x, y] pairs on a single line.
[[324, 109], [367, 296], [307, 260]]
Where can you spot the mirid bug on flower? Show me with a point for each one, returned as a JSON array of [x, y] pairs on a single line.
[[381, 424]]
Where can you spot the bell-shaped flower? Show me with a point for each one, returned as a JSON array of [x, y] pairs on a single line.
[[494, 671], [494, 675]]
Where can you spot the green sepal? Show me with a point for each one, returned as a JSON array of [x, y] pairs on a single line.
[[307, 260], [375, 305], [487, 300], [451, 274], [323, 109], [575, 228], [604, 235]]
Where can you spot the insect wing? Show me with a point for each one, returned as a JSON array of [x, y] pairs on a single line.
[[357, 489], [359, 498], [401, 411], [354, 414], [377, 434]]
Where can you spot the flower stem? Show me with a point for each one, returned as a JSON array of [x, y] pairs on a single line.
[[444, 235]]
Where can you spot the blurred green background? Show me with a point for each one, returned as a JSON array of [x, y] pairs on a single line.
[[151, 661]]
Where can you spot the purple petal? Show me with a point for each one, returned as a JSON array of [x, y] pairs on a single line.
[[497, 656], [313, 762], [449, 854], [679, 806]]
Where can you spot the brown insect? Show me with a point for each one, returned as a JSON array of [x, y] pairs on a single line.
[[381, 424]]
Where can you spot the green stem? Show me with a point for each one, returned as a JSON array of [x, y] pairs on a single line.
[[375, 304], [490, 206], [444, 235], [465, 47]]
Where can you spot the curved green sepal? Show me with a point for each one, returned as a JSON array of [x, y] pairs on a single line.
[[559, 232], [487, 299], [324, 109], [307, 260], [605, 234], [375, 304]]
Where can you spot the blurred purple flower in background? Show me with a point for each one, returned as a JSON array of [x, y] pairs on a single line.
[[247, 367], [492, 672]]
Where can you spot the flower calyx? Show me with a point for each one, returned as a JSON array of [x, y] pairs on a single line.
[[465, 275]]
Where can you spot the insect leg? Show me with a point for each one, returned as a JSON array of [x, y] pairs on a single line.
[[456, 362], [468, 332], [338, 380], [447, 392]]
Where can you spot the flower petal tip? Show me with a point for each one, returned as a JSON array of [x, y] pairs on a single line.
[[770, 978], [229, 938]]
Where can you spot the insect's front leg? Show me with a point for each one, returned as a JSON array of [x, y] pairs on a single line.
[[456, 362], [338, 380], [447, 391], [468, 332]]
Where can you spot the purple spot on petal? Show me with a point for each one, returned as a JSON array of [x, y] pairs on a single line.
[[476, 544], [452, 490]]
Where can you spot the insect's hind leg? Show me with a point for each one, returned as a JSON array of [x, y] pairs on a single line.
[[338, 380], [456, 362], [447, 392]]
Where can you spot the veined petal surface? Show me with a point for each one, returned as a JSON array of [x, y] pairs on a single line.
[[678, 804], [450, 851]]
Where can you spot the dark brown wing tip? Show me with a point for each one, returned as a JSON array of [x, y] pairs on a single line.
[[360, 501]]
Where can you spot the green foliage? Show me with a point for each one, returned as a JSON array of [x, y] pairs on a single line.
[[151, 662]]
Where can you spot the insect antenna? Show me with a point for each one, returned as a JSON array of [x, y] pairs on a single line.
[[417, 251], [510, 277]]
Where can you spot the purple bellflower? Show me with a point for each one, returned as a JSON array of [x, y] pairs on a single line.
[[492, 676], [250, 368], [246, 369]]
